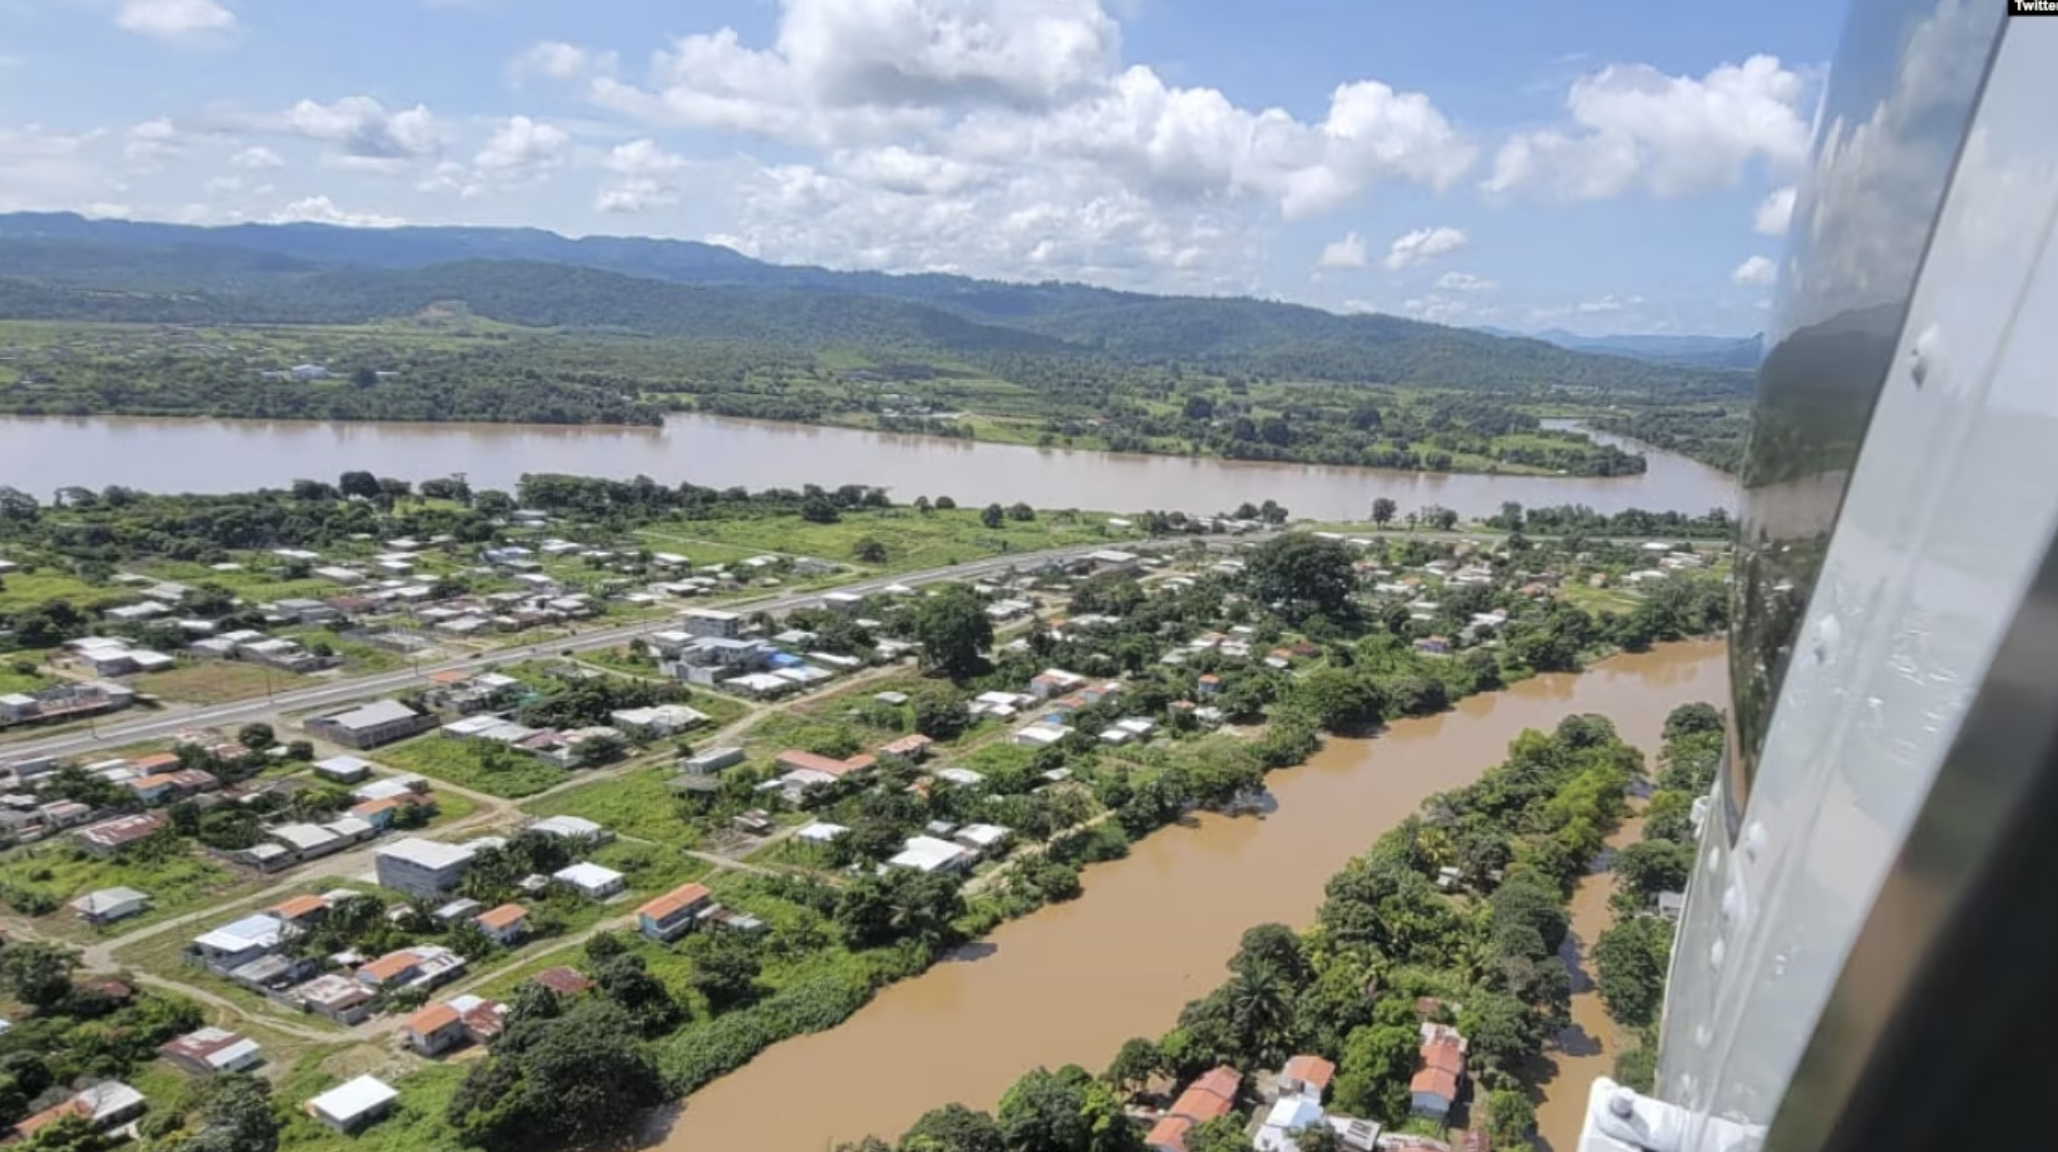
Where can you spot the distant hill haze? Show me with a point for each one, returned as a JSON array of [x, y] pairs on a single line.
[[59, 266], [1736, 352]]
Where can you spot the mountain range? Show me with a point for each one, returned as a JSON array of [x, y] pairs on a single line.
[[1738, 352], [60, 266]]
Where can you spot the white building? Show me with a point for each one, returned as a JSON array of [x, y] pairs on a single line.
[[592, 880], [354, 1105], [928, 854], [110, 904]]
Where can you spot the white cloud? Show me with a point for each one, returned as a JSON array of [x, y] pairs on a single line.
[[152, 142], [451, 178], [1435, 309], [363, 134], [322, 210], [1465, 282], [257, 158], [1755, 272], [1348, 252], [522, 149], [1606, 304], [557, 60], [1774, 212], [1423, 244], [648, 178], [47, 170], [184, 20], [1635, 127]]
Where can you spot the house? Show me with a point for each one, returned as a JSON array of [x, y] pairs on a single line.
[[354, 1105], [1289, 1116], [1435, 1087], [105, 1105], [928, 854], [669, 916], [336, 997], [822, 832], [110, 838], [711, 761], [212, 1050], [1055, 682], [659, 721], [434, 1029], [1306, 1076], [798, 760], [370, 725], [909, 749], [1671, 905], [109, 905], [422, 966], [1111, 560], [1037, 736], [982, 838], [235, 944], [712, 622], [563, 981], [343, 769], [572, 828], [425, 868], [592, 881], [504, 925], [483, 1018], [1212, 1094], [844, 602], [301, 910]]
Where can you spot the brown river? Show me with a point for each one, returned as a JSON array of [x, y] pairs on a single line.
[[1069, 983], [40, 454]]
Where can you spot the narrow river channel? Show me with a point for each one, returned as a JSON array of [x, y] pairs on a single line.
[[1068, 984]]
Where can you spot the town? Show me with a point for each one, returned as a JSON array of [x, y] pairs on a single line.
[[495, 776]]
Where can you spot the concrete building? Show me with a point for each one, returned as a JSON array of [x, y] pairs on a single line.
[[425, 868], [107, 838], [354, 1105], [212, 1050], [237, 943], [370, 725], [712, 622], [592, 881], [671, 915], [109, 905]]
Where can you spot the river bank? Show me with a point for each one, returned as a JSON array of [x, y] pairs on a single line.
[[1587, 1049], [1072, 981], [43, 453]]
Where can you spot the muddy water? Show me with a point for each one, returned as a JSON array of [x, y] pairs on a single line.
[[1070, 983], [1587, 1049], [40, 454]]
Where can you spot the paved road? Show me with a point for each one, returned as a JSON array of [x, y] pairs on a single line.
[[165, 723]]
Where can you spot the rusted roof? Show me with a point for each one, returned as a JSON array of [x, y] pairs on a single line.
[[568, 981], [299, 907], [1310, 1070]]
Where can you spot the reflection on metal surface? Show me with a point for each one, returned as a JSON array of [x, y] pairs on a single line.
[[1861, 799], [1893, 119]]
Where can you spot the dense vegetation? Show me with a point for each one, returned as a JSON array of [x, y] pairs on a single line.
[[1712, 434], [634, 327], [1351, 989]]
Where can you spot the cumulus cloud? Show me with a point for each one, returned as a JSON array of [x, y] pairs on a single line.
[[1774, 212], [152, 142], [47, 170], [322, 210], [1465, 282], [557, 60], [182, 20], [257, 158], [523, 149], [1755, 272], [648, 178], [1348, 252], [363, 134], [1634, 127], [1422, 244]]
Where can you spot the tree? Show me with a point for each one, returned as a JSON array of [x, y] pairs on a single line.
[[1655, 866], [1220, 1134], [256, 737], [1199, 408], [954, 1128], [1318, 1138], [1134, 1064], [644, 997], [922, 505], [1339, 699], [362, 484], [953, 630], [1372, 1078], [1021, 511], [1510, 1117], [1383, 510], [554, 1081], [991, 516], [1630, 961], [1690, 718], [1303, 575], [817, 509], [364, 378], [939, 712], [869, 550], [945, 504], [1064, 1111], [725, 968], [36, 973], [235, 1114], [68, 1133]]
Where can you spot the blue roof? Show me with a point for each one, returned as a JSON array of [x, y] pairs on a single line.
[[786, 660]]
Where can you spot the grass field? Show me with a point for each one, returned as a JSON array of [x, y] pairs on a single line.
[[912, 541], [636, 804], [473, 764], [12, 681], [19, 590], [56, 869], [416, 1124], [217, 682]]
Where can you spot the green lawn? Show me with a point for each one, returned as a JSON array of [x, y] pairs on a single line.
[[912, 541], [56, 869], [474, 764], [19, 590], [416, 1124], [12, 681], [637, 804]]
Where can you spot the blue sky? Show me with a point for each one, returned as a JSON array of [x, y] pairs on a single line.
[[1601, 166]]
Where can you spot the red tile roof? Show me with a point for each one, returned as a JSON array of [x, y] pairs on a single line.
[[390, 965], [907, 745], [1443, 1062], [1210, 1095], [154, 762], [432, 1019], [28, 1127], [797, 759], [1311, 1070], [299, 907], [678, 900], [502, 918]]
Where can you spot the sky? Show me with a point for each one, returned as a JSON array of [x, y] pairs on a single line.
[[1600, 166]]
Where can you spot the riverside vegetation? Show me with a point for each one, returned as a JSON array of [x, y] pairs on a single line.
[[1390, 947]]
